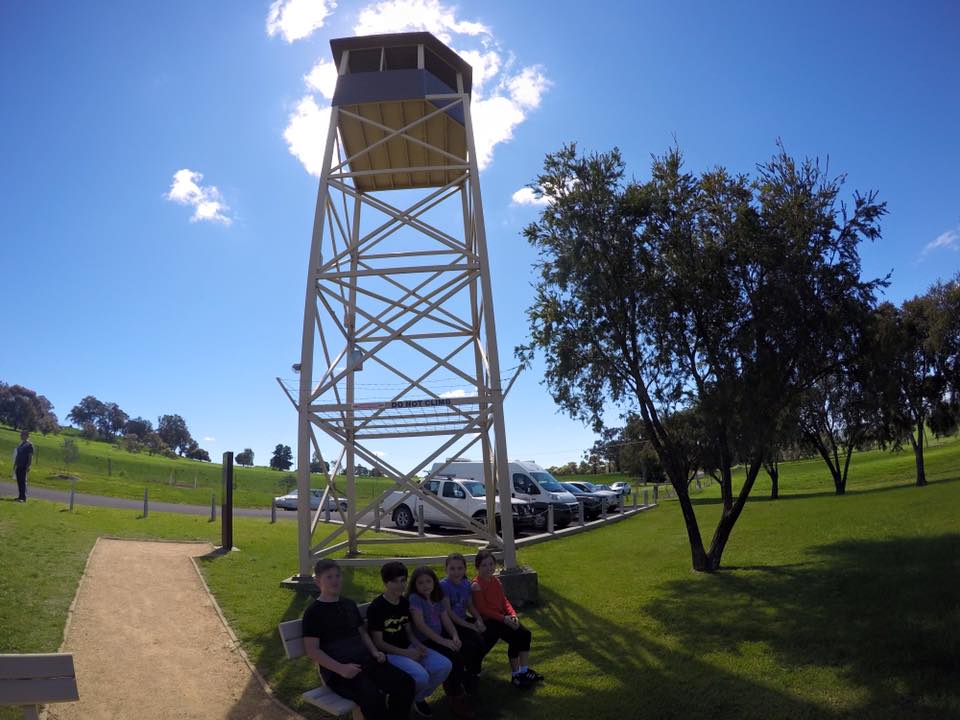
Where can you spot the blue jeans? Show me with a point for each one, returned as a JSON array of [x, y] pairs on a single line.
[[427, 674]]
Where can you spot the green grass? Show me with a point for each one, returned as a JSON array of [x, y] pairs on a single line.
[[106, 469], [827, 607]]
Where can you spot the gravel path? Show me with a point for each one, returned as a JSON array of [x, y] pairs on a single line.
[[148, 642]]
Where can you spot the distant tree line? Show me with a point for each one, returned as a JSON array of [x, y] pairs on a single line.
[[23, 409], [726, 316]]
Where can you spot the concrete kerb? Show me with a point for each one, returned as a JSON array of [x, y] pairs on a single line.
[[576, 529]]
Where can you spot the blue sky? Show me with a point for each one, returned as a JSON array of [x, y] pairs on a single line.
[[116, 289]]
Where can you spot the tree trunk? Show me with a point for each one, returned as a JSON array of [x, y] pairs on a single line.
[[697, 554], [774, 472], [729, 519], [918, 455]]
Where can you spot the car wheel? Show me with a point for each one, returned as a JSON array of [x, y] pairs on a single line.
[[343, 507], [540, 520], [403, 518]]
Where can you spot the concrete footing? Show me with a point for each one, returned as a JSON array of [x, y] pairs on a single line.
[[521, 586]]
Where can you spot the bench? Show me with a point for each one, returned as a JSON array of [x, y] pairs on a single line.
[[34, 680], [291, 632]]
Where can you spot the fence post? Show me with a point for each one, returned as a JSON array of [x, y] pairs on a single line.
[[326, 512], [376, 517], [146, 507], [73, 491], [550, 518], [656, 493], [226, 512], [580, 508], [646, 497], [213, 507], [273, 513], [420, 520], [603, 508], [635, 497]]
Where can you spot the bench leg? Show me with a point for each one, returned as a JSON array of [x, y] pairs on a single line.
[[31, 712]]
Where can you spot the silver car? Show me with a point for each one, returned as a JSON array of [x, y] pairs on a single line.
[[289, 501]]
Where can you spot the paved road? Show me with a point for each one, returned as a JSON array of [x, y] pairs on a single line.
[[61, 496]]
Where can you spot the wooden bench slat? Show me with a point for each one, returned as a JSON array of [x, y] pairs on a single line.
[[38, 665], [291, 632], [328, 701], [39, 691]]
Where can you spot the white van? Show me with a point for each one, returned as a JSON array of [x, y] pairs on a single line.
[[530, 482]]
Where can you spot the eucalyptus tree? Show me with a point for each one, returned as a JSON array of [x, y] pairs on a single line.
[[920, 358], [717, 294]]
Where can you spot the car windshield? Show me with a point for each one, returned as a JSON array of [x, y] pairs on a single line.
[[475, 488], [547, 481], [571, 488], [589, 486], [603, 487]]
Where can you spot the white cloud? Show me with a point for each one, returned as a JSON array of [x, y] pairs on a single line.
[[379, 453], [323, 78], [950, 239], [454, 394], [209, 439], [186, 189], [306, 134], [394, 16], [297, 19], [526, 196], [527, 87], [493, 122], [485, 65]]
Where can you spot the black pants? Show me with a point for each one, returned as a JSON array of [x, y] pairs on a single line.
[[453, 685], [368, 688], [517, 639], [474, 648], [22, 482]]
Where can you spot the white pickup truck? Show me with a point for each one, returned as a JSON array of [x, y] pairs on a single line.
[[467, 496]]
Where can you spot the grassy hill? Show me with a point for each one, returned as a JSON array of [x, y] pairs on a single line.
[[106, 469], [827, 607]]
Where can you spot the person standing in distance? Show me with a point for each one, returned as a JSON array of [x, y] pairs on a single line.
[[22, 461]]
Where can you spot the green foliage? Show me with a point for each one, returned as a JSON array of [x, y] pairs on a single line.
[[23, 409], [282, 457], [172, 430], [716, 295], [70, 452], [244, 458]]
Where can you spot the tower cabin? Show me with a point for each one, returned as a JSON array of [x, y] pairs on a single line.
[[387, 83]]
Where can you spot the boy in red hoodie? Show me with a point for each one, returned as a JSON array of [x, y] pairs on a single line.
[[501, 620]]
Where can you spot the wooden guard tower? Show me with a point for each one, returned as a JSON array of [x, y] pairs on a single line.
[[398, 290]]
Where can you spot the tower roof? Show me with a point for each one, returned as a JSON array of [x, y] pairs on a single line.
[[396, 40]]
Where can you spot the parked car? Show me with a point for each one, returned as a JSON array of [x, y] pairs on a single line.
[[624, 488], [467, 496], [592, 504], [289, 501], [530, 482], [613, 499]]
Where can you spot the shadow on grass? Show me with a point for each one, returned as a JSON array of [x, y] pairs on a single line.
[[755, 497], [882, 616]]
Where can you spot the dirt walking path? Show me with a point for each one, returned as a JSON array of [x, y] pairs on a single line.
[[149, 644]]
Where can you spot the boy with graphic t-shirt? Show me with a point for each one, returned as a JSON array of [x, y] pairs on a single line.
[[388, 620], [334, 637]]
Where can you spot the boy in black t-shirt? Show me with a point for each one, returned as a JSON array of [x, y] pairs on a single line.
[[335, 638], [388, 619]]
